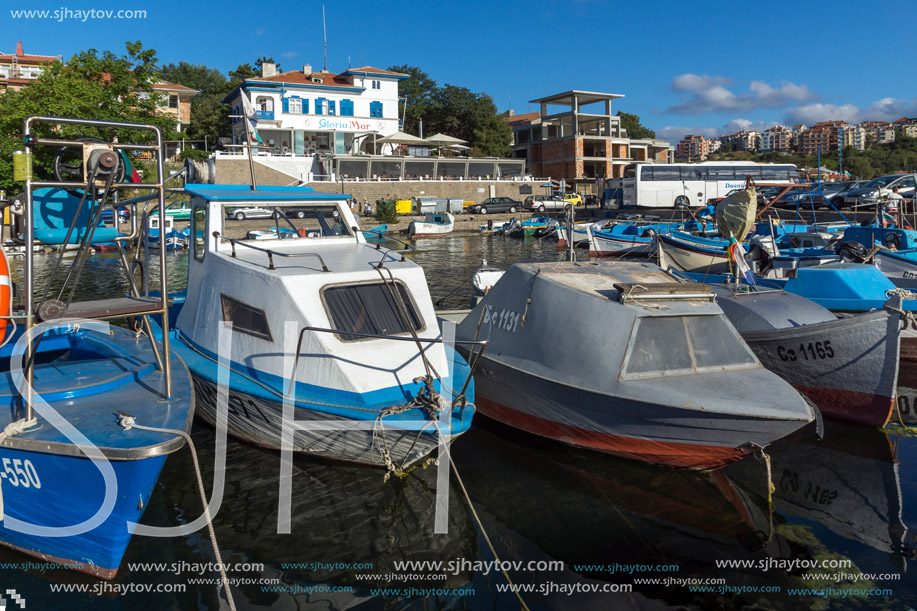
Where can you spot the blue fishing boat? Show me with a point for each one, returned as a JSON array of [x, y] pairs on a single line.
[[375, 234], [173, 240], [334, 348], [539, 226], [91, 411]]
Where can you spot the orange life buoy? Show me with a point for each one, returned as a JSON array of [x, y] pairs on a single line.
[[6, 294]]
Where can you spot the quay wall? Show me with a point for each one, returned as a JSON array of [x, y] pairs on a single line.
[[232, 171]]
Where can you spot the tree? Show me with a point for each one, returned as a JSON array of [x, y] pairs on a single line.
[[417, 91], [209, 119], [90, 86], [634, 129]]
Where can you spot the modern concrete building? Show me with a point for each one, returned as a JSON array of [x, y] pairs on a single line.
[[575, 136], [823, 136], [743, 141], [854, 136]]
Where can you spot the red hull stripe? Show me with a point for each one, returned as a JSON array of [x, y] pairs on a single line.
[[89, 569], [673, 454], [850, 405]]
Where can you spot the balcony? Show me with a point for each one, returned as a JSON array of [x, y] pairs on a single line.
[[265, 114]]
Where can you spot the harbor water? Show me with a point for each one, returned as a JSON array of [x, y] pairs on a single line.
[[810, 524]]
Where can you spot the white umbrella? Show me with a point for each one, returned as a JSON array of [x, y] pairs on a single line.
[[444, 140], [403, 138]]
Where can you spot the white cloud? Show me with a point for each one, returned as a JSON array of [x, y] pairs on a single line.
[[710, 95], [813, 113], [289, 54], [693, 82], [675, 134]]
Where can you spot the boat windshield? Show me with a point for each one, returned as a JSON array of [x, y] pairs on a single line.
[[281, 222], [680, 345]]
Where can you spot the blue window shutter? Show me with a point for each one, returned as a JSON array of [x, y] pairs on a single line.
[[286, 105], [346, 108], [319, 104], [305, 106]]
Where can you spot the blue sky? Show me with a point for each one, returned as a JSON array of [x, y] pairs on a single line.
[[705, 67]]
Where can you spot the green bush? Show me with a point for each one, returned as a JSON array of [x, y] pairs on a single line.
[[385, 211], [194, 154]]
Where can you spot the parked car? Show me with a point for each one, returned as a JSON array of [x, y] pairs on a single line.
[[249, 212], [124, 215], [802, 198], [541, 203], [875, 190], [839, 190], [496, 204], [574, 198], [180, 211]]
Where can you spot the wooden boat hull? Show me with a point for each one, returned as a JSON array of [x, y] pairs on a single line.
[[847, 367]]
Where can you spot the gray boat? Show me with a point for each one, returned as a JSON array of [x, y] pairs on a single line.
[[848, 367], [664, 377]]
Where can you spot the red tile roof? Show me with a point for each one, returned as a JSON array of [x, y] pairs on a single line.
[[524, 118], [296, 76], [375, 71], [167, 86], [21, 56]]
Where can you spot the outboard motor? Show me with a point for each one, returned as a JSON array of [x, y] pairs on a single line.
[[852, 252], [648, 233]]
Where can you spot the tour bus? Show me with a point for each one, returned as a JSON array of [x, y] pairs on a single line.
[[693, 184]]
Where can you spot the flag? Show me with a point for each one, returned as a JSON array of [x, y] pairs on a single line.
[[737, 253], [251, 121]]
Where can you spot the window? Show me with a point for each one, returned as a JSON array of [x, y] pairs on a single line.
[[4, 72], [245, 318], [346, 108], [376, 85], [264, 103], [720, 173], [375, 109], [320, 106], [198, 226], [296, 106], [378, 308], [662, 172], [646, 172], [173, 101], [678, 345], [331, 108]]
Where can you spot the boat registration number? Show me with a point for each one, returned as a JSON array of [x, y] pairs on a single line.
[[20, 473], [909, 274], [807, 352], [508, 320]]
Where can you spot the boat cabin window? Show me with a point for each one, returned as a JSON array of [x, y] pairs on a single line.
[[245, 318], [198, 226], [679, 345], [373, 308]]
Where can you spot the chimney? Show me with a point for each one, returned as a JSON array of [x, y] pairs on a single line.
[[307, 70], [19, 50], [268, 69]]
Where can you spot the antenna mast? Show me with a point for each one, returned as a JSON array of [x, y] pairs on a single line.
[[325, 33]]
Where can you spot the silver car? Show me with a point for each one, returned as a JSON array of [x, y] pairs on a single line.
[[248, 212], [876, 190]]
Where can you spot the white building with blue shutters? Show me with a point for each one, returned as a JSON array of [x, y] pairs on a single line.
[[302, 113]]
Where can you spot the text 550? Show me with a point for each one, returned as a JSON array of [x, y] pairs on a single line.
[[20, 473]]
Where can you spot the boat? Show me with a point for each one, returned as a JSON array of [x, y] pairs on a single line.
[[440, 223], [79, 395], [174, 240], [636, 386], [374, 234], [848, 367], [372, 381], [539, 226], [54, 213]]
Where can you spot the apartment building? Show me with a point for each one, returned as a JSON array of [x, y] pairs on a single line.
[[749, 140], [776, 139], [20, 69], [693, 148], [823, 136]]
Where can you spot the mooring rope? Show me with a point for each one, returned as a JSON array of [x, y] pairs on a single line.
[[129, 422], [10, 430]]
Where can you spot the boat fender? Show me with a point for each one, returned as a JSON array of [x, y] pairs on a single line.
[[6, 294], [302, 232], [649, 233]]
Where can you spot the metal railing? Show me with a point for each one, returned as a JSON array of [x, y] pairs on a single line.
[[270, 253]]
